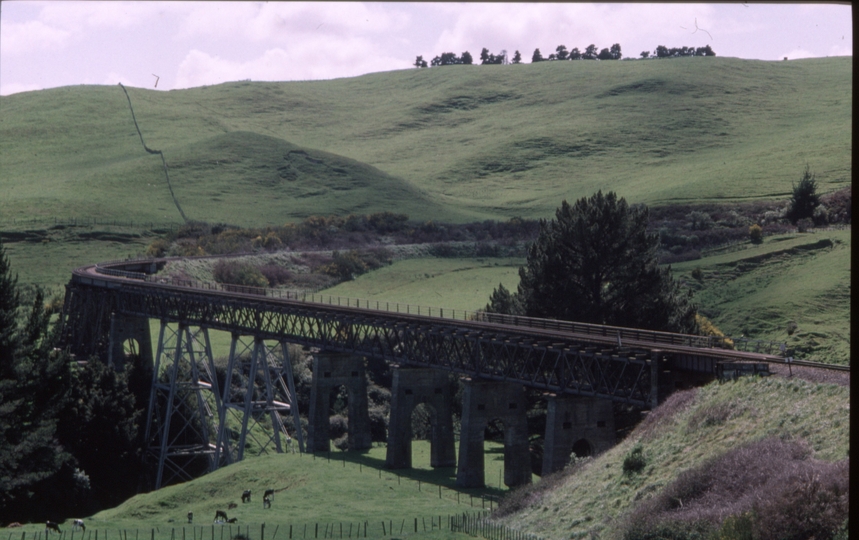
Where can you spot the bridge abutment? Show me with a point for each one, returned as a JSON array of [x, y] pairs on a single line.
[[330, 370], [581, 424], [483, 401], [412, 387]]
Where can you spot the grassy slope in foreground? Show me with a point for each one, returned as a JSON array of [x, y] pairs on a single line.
[[719, 418], [459, 143]]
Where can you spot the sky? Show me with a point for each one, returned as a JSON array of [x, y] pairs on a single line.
[[172, 45]]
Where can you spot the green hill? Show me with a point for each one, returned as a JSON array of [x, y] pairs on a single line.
[[458, 143]]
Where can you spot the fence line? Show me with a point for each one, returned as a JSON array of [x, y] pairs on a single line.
[[475, 524], [90, 221]]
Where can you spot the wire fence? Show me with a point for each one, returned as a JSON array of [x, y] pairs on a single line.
[[475, 524]]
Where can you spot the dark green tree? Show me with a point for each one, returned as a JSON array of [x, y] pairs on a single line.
[[804, 199], [503, 301], [420, 62], [517, 58], [101, 428], [605, 54], [9, 302], [562, 53], [484, 56], [536, 57], [596, 263], [590, 52], [36, 473], [466, 58], [615, 52], [575, 54]]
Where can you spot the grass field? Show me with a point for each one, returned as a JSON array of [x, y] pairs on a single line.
[[459, 143], [326, 489]]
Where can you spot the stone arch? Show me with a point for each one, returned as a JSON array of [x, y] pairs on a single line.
[[484, 400], [582, 448], [333, 370], [426, 388]]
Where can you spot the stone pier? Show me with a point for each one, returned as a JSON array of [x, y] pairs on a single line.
[[331, 370], [411, 387], [484, 401], [124, 328], [581, 424]]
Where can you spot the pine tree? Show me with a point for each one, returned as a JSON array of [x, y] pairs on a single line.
[[804, 198], [9, 302], [596, 263]]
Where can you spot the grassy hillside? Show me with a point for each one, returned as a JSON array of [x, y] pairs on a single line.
[[689, 429], [793, 289], [457, 143], [342, 488]]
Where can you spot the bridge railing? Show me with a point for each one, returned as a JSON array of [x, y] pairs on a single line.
[[618, 333]]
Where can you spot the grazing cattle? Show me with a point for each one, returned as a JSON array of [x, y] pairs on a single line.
[[78, 524], [246, 496], [190, 517], [268, 493], [51, 526], [233, 520], [231, 506], [220, 514], [266, 502]]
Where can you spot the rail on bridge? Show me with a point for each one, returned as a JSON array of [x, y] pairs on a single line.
[[582, 368]]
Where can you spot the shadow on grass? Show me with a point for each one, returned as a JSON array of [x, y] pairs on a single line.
[[441, 476]]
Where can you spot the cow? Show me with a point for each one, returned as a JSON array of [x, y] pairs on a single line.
[[268, 493], [246, 496], [78, 524], [220, 514], [266, 502], [51, 526], [190, 517], [233, 520]]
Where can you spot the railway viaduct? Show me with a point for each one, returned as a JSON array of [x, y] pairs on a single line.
[[193, 417]]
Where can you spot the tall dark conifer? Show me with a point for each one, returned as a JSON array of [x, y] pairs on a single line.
[[596, 263]]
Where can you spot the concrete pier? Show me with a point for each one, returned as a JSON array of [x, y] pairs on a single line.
[[331, 370], [581, 424], [484, 401], [411, 387]]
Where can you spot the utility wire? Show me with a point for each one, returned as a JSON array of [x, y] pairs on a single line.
[[163, 161]]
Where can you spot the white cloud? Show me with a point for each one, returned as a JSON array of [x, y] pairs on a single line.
[[280, 22], [18, 38], [307, 60], [86, 16]]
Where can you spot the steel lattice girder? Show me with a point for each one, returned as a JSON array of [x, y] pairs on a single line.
[[556, 363]]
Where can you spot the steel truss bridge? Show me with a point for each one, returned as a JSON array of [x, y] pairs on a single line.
[[624, 365]]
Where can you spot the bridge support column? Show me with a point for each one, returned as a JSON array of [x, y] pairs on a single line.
[[581, 424], [124, 328], [330, 370], [482, 402], [411, 387]]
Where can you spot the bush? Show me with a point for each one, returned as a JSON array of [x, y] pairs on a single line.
[[233, 272], [804, 225], [804, 199], [697, 273], [756, 234], [635, 461]]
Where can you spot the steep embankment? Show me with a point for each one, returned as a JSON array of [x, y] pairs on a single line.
[[456, 143], [691, 428]]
